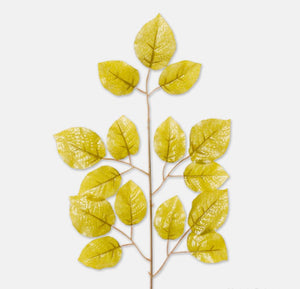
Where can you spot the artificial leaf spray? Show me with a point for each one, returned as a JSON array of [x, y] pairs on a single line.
[[90, 210]]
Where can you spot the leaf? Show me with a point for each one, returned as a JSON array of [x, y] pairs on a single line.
[[101, 253], [179, 77], [123, 138], [91, 218], [209, 139], [80, 147], [169, 141], [204, 177], [169, 219], [208, 248], [209, 211], [155, 44], [118, 77], [101, 183], [130, 204]]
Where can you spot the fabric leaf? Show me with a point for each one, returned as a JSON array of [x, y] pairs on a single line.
[[101, 253], [208, 248], [130, 204], [179, 77], [91, 218], [118, 77], [101, 183], [123, 138], [209, 211], [155, 44], [170, 218], [80, 147], [209, 139], [169, 141], [204, 177]]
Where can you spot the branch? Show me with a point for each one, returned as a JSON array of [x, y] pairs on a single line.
[[154, 90], [126, 163], [169, 174], [132, 242], [140, 90], [172, 252]]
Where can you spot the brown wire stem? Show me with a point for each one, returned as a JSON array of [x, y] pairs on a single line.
[[126, 163]]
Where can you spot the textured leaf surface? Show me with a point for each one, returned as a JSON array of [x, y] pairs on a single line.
[[204, 177], [179, 77], [209, 211], [91, 218], [169, 219], [130, 204], [101, 183], [101, 253], [123, 138], [80, 147], [208, 248], [118, 77], [169, 141], [209, 139], [155, 44]]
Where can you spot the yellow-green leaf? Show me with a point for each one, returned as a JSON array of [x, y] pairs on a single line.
[[80, 147], [209, 139], [179, 77], [118, 77], [204, 177], [208, 248], [155, 44], [91, 218], [130, 204], [123, 138], [170, 219], [101, 183], [209, 211], [101, 253], [169, 141]]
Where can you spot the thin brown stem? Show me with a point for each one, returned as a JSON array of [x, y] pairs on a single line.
[[140, 90], [131, 231], [150, 180], [154, 90], [169, 174], [124, 172], [126, 163], [172, 251], [126, 245], [130, 239], [182, 252], [168, 242], [176, 176], [163, 170]]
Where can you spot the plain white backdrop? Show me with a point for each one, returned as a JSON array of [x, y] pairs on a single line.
[[49, 82]]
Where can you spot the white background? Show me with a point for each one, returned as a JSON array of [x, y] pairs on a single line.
[[49, 82]]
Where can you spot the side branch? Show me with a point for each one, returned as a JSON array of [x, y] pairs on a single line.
[[126, 163], [172, 251], [132, 242], [169, 174]]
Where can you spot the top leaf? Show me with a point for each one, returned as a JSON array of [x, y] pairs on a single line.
[[80, 147], [155, 44], [209, 139], [122, 138], [179, 77], [118, 77]]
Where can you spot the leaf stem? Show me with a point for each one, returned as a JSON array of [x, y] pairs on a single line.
[[126, 163], [169, 174], [140, 90], [130, 239], [154, 90], [172, 252]]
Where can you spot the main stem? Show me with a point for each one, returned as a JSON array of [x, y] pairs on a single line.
[[150, 180]]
